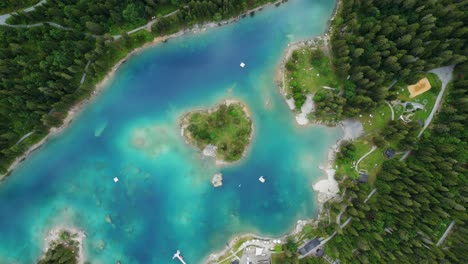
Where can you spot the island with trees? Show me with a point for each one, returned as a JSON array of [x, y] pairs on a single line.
[[402, 184], [63, 245], [76, 44], [224, 131], [405, 200]]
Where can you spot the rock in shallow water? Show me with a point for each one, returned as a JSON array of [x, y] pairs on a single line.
[[217, 180]]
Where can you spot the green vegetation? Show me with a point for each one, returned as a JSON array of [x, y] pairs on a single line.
[[401, 94], [96, 17], [64, 250], [414, 198], [374, 44], [228, 128], [307, 71], [41, 67], [7, 6], [196, 12]]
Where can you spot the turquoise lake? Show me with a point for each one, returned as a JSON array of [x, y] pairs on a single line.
[[164, 200]]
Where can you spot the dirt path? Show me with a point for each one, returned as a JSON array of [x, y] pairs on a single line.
[[391, 109], [4, 17], [447, 231], [445, 75], [365, 155]]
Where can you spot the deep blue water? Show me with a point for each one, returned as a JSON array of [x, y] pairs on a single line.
[[164, 200]]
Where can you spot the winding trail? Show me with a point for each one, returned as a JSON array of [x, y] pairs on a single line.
[[4, 17], [447, 231], [148, 25], [370, 195], [24, 137], [365, 155], [391, 109], [445, 75]]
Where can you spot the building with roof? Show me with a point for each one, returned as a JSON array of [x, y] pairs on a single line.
[[309, 246], [363, 177], [389, 153]]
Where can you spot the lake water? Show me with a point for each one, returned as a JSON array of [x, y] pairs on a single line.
[[164, 200]]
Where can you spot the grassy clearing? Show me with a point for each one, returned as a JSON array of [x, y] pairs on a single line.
[[372, 164], [346, 161], [379, 119], [307, 71], [428, 98], [228, 128]]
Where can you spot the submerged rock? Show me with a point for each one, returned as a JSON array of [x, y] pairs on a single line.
[[108, 219], [217, 180]]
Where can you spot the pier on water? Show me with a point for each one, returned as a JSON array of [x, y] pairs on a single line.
[[178, 256]]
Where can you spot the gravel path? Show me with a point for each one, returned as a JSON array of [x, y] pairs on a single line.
[[445, 75], [4, 17], [365, 155], [441, 240]]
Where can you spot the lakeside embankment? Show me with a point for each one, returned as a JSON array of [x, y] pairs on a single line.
[[79, 106]]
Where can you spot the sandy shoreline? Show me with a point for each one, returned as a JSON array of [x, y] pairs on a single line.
[[79, 106], [76, 234], [183, 124]]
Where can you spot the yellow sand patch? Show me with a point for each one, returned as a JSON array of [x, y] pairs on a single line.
[[419, 88]]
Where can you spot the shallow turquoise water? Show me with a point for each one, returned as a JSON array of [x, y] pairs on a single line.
[[164, 200]]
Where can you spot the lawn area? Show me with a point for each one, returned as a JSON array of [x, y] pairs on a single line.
[[228, 128], [372, 164], [346, 167], [308, 70], [428, 98], [372, 126], [375, 123]]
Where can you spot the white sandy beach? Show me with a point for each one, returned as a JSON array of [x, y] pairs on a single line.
[[328, 188], [307, 108]]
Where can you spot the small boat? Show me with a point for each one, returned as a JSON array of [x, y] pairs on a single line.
[[261, 179]]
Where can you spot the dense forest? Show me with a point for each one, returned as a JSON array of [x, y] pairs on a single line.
[[377, 42], [12, 5], [41, 67], [374, 44], [117, 16], [194, 12], [416, 199]]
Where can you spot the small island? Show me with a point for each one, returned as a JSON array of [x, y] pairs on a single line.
[[223, 132], [63, 245]]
